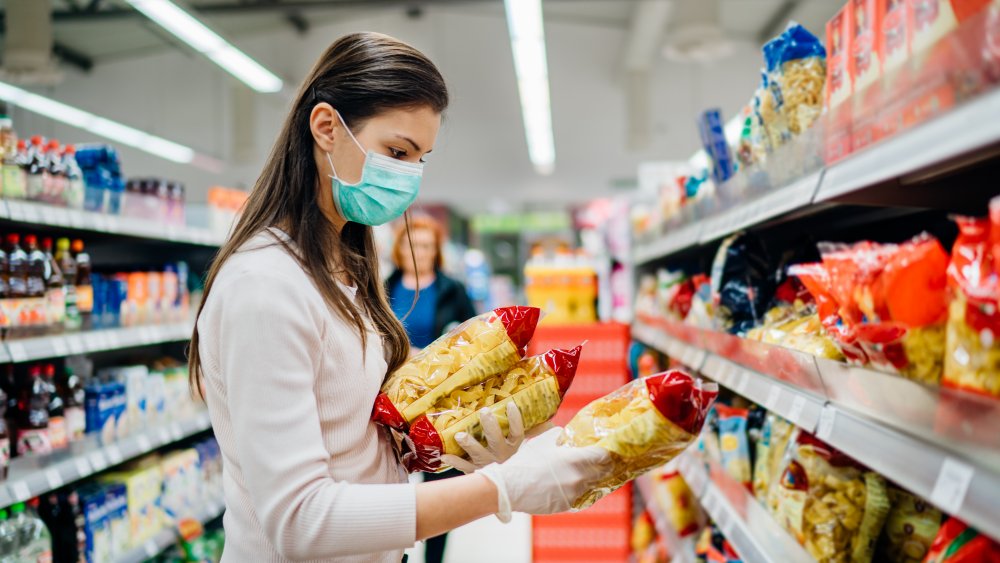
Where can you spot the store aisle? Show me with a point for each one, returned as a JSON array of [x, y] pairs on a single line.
[[486, 541]]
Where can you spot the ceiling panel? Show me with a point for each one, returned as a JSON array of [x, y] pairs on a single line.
[[746, 18]]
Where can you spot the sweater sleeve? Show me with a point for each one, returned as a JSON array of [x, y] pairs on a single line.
[[269, 355]]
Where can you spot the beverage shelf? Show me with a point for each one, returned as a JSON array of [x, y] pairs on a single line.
[[52, 216], [56, 346], [939, 443], [943, 144], [752, 532], [31, 476], [162, 541]]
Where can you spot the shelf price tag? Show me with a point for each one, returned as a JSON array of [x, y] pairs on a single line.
[[59, 346], [82, 467], [97, 461], [952, 485], [17, 351], [75, 344], [798, 406], [16, 211], [53, 478], [114, 454], [164, 435], [20, 491], [773, 396], [144, 443], [175, 431], [743, 382], [826, 422]]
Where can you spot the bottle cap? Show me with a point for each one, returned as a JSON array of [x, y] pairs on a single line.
[[62, 244], [17, 508], [77, 245], [13, 238], [47, 243], [30, 240], [37, 140]]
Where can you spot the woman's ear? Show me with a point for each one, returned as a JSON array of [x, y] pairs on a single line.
[[323, 123]]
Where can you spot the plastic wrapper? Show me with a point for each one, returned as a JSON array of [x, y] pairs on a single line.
[[776, 435], [972, 358], [909, 530], [643, 425], [734, 443], [958, 543], [834, 507], [742, 284], [536, 385], [467, 355], [796, 326], [797, 65], [677, 502]]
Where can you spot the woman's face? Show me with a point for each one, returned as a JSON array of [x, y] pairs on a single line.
[[424, 251], [404, 134]]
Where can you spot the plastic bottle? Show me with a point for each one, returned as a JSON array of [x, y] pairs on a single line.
[[35, 280], [68, 266], [4, 438], [4, 288], [84, 289], [33, 415], [13, 175], [74, 399], [62, 514], [58, 431], [57, 174], [74, 178], [8, 539], [17, 284], [55, 291], [34, 536], [38, 170]]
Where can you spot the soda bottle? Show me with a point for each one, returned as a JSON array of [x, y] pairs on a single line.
[[68, 267], [74, 399], [4, 437], [33, 415], [34, 536], [74, 178], [55, 291], [9, 385], [17, 285], [8, 539], [62, 514], [38, 170], [35, 280], [4, 291], [13, 175], [84, 291], [57, 174], [58, 431]]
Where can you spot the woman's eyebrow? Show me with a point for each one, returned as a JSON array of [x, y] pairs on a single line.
[[416, 147]]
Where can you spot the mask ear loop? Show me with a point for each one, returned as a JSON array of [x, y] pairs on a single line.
[[413, 257]]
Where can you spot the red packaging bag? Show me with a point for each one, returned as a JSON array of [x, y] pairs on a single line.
[[469, 354], [958, 543], [536, 385]]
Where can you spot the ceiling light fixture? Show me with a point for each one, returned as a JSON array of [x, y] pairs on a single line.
[[201, 38], [527, 41], [96, 124]]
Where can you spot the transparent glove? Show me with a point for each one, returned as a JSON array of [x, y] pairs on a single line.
[[498, 448], [545, 478]]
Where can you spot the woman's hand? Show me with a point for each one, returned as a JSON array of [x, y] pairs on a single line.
[[545, 478], [498, 448]]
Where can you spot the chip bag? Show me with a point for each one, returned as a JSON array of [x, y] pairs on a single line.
[[469, 354], [958, 543], [734, 443], [536, 385], [909, 530], [643, 425]]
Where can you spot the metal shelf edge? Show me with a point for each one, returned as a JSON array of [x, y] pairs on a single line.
[[57, 346]]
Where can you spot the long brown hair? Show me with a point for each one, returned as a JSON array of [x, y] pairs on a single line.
[[360, 75]]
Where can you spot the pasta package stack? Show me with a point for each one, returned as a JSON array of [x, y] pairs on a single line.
[[972, 360], [467, 355], [884, 304], [536, 385], [643, 425]]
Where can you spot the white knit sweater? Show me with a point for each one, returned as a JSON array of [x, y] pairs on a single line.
[[307, 476]]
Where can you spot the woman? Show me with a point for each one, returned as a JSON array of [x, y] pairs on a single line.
[[295, 336], [442, 303]]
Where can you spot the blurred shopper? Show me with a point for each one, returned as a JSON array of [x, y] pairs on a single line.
[[429, 303], [295, 336]]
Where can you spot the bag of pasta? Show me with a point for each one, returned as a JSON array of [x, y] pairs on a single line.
[[643, 425], [467, 355], [536, 385], [833, 506], [972, 358], [800, 64]]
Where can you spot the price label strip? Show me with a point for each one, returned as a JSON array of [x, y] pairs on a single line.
[[743, 382], [20, 491], [82, 467], [827, 419], [60, 347], [97, 461], [18, 353], [53, 478], [144, 444], [773, 396], [952, 485], [114, 454], [798, 406]]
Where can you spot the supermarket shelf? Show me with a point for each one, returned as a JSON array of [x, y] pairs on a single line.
[[753, 533], [56, 346], [939, 443], [680, 550], [941, 144], [168, 537], [52, 216], [32, 476]]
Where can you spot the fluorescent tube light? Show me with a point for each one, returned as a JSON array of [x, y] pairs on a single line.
[[201, 38], [96, 124], [527, 41]]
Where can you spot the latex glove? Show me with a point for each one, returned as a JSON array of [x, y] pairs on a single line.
[[498, 448], [545, 478]]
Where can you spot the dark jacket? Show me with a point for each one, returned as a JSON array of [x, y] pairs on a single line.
[[453, 304]]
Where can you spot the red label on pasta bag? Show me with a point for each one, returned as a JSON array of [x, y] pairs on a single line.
[[386, 413], [426, 447], [520, 323], [680, 400], [563, 364]]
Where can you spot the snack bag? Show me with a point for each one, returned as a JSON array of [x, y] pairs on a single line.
[[909, 530], [734, 444], [833, 506], [972, 358], [536, 385], [958, 543], [678, 502], [643, 425], [472, 352], [742, 284], [768, 472]]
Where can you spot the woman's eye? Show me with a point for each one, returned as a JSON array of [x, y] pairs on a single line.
[[396, 153]]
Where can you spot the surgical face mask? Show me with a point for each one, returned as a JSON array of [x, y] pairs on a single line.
[[387, 187]]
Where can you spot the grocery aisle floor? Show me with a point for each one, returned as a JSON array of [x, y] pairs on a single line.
[[486, 541]]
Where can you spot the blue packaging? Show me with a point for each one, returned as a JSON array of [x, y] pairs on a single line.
[[93, 502], [713, 138], [105, 409], [117, 517]]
